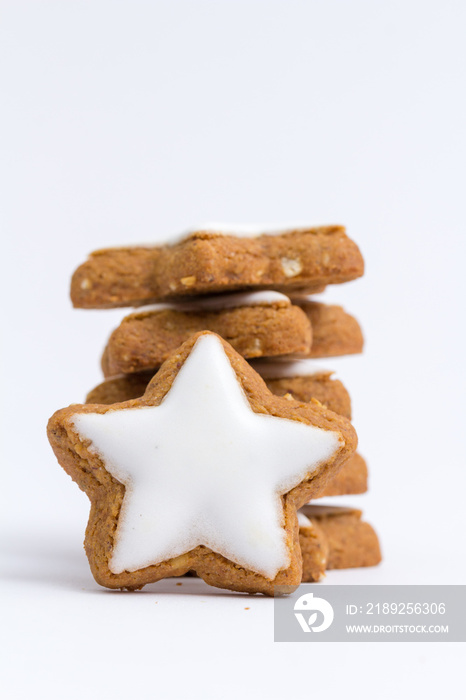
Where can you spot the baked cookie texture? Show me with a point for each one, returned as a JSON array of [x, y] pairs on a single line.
[[314, 549], [120, 388], [338, 535], [88, 468], [145, 339], [205, 262], [335, 331], [351, 479], [321, 387]]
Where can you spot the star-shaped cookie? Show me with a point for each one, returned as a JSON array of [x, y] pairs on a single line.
[[205, 472]]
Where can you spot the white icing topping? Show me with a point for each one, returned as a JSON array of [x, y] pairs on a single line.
[[303, 521], [219, 302], [279, 369], [203, 468]]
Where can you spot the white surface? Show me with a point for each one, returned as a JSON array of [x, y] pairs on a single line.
[[127, 121]]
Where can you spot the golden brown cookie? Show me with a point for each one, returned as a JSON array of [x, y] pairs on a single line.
[[256, 324], [351, 542], [321, 387], [121, 388], [334, 331], [255, 327], [305, 381], [213, 260], [351, 479], [205, 472], [329, 392], [314, 549]]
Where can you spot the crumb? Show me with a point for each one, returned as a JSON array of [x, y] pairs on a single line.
[[179, 584]]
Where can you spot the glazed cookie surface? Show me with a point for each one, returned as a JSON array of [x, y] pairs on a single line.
[[216, 259], [205, 472]]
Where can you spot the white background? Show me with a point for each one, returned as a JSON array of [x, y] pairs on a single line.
[[126, 121]]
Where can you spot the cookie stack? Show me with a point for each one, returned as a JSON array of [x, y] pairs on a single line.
[[203, 387]]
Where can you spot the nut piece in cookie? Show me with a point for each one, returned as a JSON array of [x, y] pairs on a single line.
[[216, 259], [205, 472]]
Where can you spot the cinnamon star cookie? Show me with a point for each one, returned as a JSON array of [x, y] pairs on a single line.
[[217, 258], [205, 472], [256, 324], [335, 537]]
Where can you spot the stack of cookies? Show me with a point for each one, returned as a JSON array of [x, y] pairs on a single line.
[[213, 425]]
